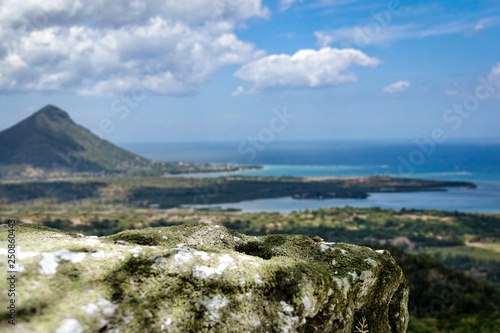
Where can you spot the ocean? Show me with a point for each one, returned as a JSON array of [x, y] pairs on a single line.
[[475, 161]]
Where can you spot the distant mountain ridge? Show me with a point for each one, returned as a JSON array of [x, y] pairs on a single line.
[[49, 139]]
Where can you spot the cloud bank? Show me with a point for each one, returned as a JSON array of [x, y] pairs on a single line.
[[397, 87], [97, 47]]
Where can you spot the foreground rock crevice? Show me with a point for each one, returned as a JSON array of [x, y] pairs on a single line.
[[200, 278]]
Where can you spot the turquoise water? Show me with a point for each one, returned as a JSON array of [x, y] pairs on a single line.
[[484, 199], [478, 162], [349, 171]]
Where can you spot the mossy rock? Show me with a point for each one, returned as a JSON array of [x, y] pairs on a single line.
[[200, 278]]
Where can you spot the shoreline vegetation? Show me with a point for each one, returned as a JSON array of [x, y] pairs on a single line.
[[150, 169], [171, 192]]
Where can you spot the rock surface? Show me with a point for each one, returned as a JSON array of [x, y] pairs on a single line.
[[200, 278]]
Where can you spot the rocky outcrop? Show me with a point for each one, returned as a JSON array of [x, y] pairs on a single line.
[[200, 278]]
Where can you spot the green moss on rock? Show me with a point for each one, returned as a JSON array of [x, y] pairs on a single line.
[[204, 278]]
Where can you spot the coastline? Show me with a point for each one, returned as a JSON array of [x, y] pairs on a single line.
[[483, 200]]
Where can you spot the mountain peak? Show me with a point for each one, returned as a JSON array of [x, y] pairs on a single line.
[[52, 112], [49, 138]]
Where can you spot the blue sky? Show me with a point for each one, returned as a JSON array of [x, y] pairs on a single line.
[[224, 70]]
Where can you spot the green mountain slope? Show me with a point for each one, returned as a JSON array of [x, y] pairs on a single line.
[[50, 139]]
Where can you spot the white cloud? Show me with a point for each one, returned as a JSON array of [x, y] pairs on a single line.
[[96, 47], [238, 91], [495, 73], [361, 36], [397, 87], [285, 4], [373, 32], [323, 39], [36, 14], [479, 26], [304, 69], [494, 78]]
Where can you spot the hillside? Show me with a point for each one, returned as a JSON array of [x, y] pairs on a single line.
[[50, 139], [445, 300]]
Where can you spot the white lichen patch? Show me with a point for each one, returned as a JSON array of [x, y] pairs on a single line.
[[91, 241], [324, 247], [249, 319], [202, 254], [307, 303], [101, 311], [138, 249], [70, 326], [289, 323], [343, 285], [214, 306], [50, 260], [286, 307], [91, 310], [160, 262], [182, 258], [204, 272], [225, 261], [340, 250], [372, 262], [368, 281], [165, 323], [201, 264], [250, 260], [107, 308]]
